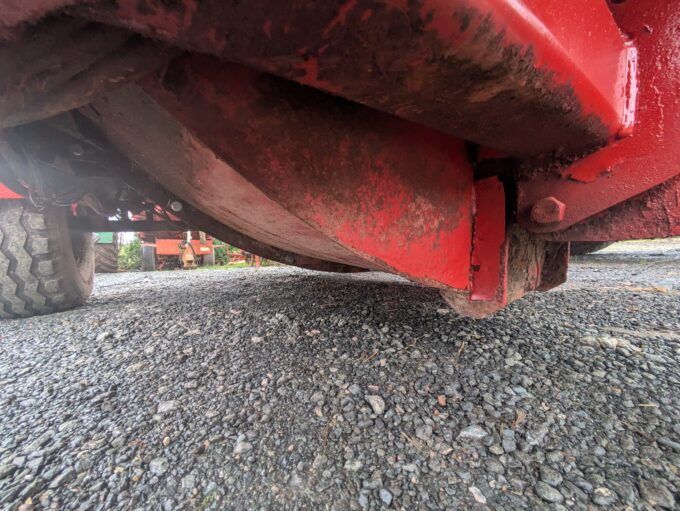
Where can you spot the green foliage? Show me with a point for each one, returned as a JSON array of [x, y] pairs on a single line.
[[221, 256], [130, 255]]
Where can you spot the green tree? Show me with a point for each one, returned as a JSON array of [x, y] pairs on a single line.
[[130, 255]]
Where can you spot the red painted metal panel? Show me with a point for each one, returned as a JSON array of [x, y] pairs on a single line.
[[488, 242], [170, 247], [651, 155], [154, 139], [6, 193], [653, 214], [490, 71], [397, 194]]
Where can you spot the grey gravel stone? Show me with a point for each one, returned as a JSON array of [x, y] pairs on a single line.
[[604, 496], [560, 415], [477, 494], [168, 406], [377, 404], [473, 433], [551, 476], [548, 493], [657, 494], [159, 466], [386, 496], [66, 476], [353, 465], [242, 446], [536, 436], [424, 432]]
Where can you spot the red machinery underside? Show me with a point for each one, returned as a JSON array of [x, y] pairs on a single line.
[[459, 143]]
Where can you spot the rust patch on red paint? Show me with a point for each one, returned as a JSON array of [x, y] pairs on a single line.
[[310, 74], [527, 264]]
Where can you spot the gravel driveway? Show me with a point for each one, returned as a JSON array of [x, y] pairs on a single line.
[[285, 389]]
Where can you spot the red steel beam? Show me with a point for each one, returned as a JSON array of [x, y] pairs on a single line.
[[524, 77], [488, 245], [397, 194], [653, 214], [651, 155]]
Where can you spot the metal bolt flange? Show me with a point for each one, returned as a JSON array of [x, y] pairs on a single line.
[[548, 210], [176, 206]]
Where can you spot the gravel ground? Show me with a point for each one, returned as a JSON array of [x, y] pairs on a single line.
[[286, 389]]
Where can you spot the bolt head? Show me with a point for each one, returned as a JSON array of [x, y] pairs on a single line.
[[76, 150], [176, 206], [548, 210]]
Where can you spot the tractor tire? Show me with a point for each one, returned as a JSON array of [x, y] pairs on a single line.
[[208, 260], [106, 257], [44, 266], [148, 258], [588, 247]]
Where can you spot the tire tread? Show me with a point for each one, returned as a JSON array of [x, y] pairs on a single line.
[[31, 279]]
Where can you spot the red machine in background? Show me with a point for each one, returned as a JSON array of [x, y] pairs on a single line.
[[462, 144], [176, 249]]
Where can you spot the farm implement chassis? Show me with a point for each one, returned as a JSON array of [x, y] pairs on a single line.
[[462, 144]]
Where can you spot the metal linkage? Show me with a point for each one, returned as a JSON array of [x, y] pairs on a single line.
[[646, 158]]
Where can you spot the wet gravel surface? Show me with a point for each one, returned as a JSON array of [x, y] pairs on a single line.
[[285, 389]]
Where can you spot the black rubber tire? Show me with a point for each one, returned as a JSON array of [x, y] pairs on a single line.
[[588, 247], [148, 258], [208, 260], [106, 257], [44, 267]]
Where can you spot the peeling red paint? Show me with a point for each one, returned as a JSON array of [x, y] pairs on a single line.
[[310, 67]]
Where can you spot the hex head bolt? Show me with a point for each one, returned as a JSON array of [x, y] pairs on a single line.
[[548, 210], [176, 206]]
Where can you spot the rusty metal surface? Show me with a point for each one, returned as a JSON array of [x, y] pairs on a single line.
[[651, 154], [394, 193], [490, 71], [129, 63], [342, 128], [527, 264], [61, 64], [17, 12]]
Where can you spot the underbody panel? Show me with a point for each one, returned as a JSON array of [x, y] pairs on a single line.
[[459, 143]]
